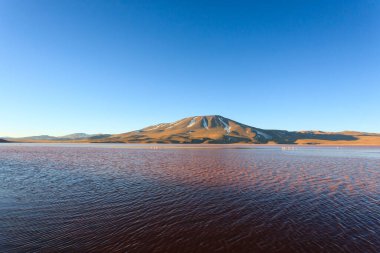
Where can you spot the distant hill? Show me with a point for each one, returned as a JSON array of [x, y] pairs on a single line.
[[65, 138], [214, 129], [40, 137], [76, 136], [3, 141]]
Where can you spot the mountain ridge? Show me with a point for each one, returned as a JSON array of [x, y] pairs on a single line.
[[68, 137], [214, 129]]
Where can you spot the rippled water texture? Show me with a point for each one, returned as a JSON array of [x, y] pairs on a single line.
[[107, 198]]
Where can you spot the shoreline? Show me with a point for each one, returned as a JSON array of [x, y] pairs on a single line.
[[200, 145]]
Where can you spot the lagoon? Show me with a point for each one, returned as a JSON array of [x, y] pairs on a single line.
[[188, 198]]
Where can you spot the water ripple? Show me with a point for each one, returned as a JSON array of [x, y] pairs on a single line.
[[102, 199]]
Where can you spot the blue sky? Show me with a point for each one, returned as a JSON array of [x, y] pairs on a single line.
[[115, 66]]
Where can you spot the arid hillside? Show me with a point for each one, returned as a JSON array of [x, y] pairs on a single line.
[[218, 129], [198, 129], [214, 129]]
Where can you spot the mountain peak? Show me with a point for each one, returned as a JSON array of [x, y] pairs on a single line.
[[199, 129]]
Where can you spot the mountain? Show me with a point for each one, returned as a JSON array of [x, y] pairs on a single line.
[[198, 129], [3, 141], [218, 129], [79, 136], [64, 138], [214, 129], [39, 137]]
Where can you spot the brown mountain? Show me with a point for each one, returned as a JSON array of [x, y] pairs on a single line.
[[214, 129], [218, 129], [198, 129]]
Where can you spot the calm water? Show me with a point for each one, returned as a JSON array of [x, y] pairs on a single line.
[[135, 198]]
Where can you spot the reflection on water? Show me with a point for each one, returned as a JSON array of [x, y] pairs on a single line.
[[130, 198]]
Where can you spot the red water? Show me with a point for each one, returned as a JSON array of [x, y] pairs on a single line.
[[102, 198]]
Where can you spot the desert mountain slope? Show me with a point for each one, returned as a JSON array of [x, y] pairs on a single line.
[[218, 129], [214, 129], [198, 129]]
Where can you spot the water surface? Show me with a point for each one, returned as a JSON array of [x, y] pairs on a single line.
[[188, 198]]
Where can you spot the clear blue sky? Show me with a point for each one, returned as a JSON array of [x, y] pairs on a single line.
[[115, 66]]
